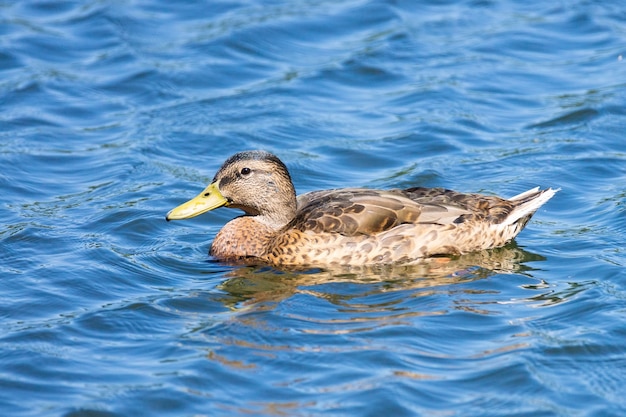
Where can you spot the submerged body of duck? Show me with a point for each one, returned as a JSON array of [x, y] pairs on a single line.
[[351, 226]]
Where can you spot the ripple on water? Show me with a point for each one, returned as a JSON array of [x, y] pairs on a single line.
[[112, 114]]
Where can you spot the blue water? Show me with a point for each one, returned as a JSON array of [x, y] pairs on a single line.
[[114, 112]]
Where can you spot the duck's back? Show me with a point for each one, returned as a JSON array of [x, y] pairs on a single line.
[[363, 226], [363, 211]]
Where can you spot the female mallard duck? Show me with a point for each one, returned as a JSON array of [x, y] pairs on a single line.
[[351, 226]]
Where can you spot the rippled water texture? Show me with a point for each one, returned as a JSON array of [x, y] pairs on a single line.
[[113, 112]]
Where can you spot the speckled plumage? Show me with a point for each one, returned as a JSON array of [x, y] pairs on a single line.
[[355, 226]]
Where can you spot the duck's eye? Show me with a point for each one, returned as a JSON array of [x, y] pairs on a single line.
[[245, 171]]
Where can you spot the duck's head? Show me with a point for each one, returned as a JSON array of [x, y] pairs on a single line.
[[256, 182]]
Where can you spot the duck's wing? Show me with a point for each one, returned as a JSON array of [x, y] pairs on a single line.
[[359, 211], [489, 209]]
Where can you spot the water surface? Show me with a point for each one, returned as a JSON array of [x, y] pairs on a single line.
[[112, 113]]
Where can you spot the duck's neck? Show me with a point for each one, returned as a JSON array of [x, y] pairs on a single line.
[[276, 210], [275, 221]]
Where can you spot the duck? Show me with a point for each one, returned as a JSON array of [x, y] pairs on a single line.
[[349, 226]]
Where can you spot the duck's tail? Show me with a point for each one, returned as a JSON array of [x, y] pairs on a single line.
[[527, 203]]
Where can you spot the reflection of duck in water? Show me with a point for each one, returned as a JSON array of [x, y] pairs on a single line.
[[253, 285], [354, 226]]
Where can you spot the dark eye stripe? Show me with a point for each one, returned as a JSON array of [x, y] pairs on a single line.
[[232, 178], [226, 180]]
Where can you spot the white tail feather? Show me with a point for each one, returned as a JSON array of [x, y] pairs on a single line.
[[524, 194], [534, 199]]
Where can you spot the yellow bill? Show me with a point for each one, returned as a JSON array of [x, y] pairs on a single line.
[[207, 200]]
